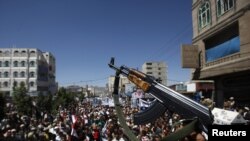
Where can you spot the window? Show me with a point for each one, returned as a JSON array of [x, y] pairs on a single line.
[[6, 64], [7, 53], [23, 53], [33, 53], [6, 74], [222, 44], [15, 64], [148, 63], [23, 64], [159, 73], [159, 80], [1, 53], [0, 63], [149, 73], [149, 68], [15, 74], [32, 74], [50, 68], [5, 84], [204, 15], [32, 84], [0, 74], [16, 53], [224, 6], [32, 63], [22, 74]]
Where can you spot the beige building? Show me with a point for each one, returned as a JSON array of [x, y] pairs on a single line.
[[34, 68], [157, 70], [220, 49], [123, 81]]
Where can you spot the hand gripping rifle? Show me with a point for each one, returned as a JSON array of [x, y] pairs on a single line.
[[166, 98]]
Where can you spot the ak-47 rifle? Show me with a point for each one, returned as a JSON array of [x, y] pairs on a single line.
[[166, 98], [200, 116]]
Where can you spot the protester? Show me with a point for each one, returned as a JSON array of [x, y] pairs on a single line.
[[93, 122]]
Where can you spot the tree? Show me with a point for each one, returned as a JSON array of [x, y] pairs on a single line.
[[63, 99], [22, 101], [81, 96], [14, 85], [44, 102]]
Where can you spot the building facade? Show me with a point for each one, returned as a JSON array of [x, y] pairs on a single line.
[[204, 87], [157, 70], [34, 68], [220, 49], [123, 81]]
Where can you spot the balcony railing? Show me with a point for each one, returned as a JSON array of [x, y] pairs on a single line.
[[224, 59]]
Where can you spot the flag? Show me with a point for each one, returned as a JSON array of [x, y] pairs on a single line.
[[74, 122]]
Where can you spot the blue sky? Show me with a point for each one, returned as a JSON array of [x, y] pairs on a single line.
[[84, 34]]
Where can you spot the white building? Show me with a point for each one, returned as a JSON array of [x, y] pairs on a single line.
[[123, 81], [157, 70], [28, 65], [96, 91]]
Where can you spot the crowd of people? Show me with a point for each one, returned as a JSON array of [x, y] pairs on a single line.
[[229, 104], [84, 121]]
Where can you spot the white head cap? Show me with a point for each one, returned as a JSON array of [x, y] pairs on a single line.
[[246, 108]]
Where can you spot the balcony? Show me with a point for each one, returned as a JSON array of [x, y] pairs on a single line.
[[223, 60], [226, 65]]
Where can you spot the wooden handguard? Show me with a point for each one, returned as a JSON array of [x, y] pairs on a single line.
[[137, 73], [138, 82]]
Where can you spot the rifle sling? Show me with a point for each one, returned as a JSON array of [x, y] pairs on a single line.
[[119, 112], [183, 132]]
